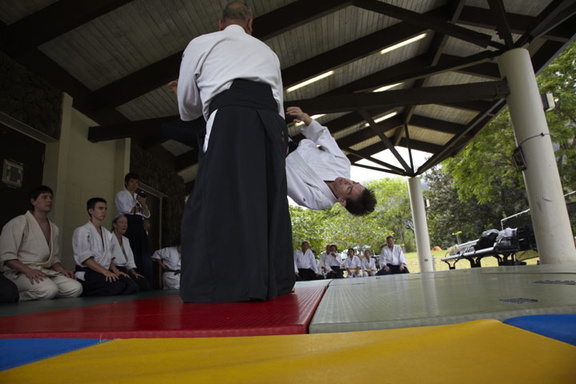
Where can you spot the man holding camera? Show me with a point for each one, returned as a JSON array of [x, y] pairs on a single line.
[[131, 202]]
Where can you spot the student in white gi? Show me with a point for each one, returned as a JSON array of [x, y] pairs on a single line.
[[30, 254], [306, 263], [318, 172], [94, 265], [122, 256], [169, 261], [334, 263], [368, 264], [392, 259], [131, 202], [352, 264]]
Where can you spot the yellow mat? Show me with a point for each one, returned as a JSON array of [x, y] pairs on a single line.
[[483, 351]]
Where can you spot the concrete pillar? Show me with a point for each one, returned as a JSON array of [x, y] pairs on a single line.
[[543, 185], [420, 225]]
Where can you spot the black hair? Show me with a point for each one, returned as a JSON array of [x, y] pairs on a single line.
[[129, 176], [363, 205], [34, 193], [91, 203]]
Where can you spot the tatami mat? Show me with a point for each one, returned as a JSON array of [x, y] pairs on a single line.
[[485, 351], [170, 317], [447, 297]]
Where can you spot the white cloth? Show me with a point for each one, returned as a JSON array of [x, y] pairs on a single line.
[[333, 260], [211, 63], [172, 259], [369, 266], [122, 254], [394, 256], [87, 243], [306, 260], [126, 201], [353, 265], [22, 239], [308, 167]]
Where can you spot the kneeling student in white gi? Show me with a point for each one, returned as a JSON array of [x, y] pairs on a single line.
[[169, 261], [94, 265], [368, 264], [122, 255], [30, 254], [352, 264]]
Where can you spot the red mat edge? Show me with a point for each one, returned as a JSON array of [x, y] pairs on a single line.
[[291, 329]]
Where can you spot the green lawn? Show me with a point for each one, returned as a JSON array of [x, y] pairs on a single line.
[[439, 265]]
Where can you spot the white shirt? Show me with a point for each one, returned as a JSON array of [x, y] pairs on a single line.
[[87, 243], [211, 63], [394, 256], [306, 260], [126, 201], [170, 257], [22, 239], [369, 265], [333, 260], [352, 263], [122, 254], [308, 167]]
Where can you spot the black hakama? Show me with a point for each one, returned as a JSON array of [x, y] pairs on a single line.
[[236, 230]]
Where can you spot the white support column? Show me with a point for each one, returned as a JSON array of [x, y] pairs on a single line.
[[543, 185], [420, 225]]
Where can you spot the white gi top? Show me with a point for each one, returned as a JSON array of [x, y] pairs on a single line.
[[126, 201], [369, 265], [353, 262], [309, 166], [87, 243], [211, 63], [333, 260], [22, 239], [393, 256], [122, 254], [305, 260], [169, 256]]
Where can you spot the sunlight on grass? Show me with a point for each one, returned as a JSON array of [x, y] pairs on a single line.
[[439, 265]]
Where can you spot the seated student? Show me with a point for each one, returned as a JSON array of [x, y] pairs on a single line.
[[306, 263], [91, 244], [352, 264], [368, 264], [392, 259], [30, 254], [334, 262], [8, 290], [317, 172], [122, 253], [169, 261]]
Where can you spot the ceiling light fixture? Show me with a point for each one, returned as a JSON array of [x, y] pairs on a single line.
[[386, 87], [310, 81], [403, 43], [385, 117], [314, 117]]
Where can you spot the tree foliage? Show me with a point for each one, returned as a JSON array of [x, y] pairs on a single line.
[[335, 225]]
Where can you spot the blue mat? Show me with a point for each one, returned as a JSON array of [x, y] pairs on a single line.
[[559, 327], [17, 352]]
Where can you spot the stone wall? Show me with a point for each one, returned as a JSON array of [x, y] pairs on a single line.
[[29, 99], [164, 179]]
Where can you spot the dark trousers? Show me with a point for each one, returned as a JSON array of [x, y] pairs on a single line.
[[335, 273], [307, 274], [95, 284], [236, 230], [140, 281], [140, 246], [8, 290], [394, 269]]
